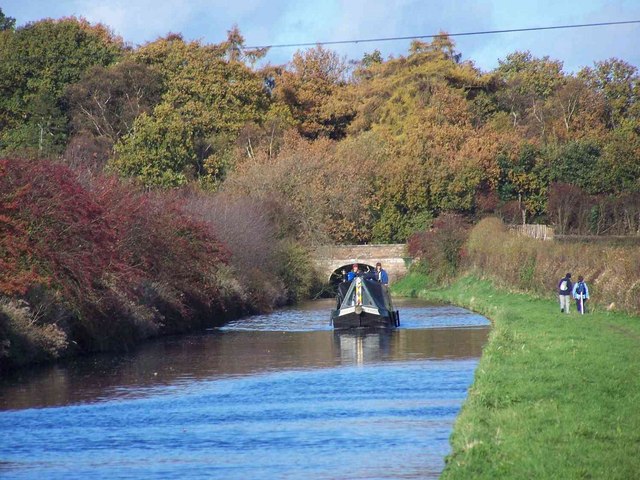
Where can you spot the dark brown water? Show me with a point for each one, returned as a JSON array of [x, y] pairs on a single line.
[[272, 396]]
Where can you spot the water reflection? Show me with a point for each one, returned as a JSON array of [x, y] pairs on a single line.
[[178, 361], [276, 396], [358, 347]]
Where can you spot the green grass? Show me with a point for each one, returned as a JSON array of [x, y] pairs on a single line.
[[554, 396]]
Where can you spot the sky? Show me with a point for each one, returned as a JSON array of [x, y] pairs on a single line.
[[271, 22]]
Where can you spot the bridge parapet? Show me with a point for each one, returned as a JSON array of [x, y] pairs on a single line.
[[393, 257]]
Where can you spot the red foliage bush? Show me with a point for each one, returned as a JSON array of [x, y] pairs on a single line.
[[17, 270], [122, 263], [58, 228]]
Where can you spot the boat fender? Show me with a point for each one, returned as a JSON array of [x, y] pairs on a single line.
[[358, 309]]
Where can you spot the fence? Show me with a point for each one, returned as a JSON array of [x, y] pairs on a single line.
[[539, 232]]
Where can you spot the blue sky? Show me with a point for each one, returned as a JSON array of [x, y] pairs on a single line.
[[293, 21]]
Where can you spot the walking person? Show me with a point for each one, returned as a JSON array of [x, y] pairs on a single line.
[[565, 287], [581, 294]]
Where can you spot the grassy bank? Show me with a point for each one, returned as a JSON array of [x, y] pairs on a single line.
[[522, 263], [554, 396]]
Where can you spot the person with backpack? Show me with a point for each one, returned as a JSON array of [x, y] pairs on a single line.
[[581, 294], [565, 287]]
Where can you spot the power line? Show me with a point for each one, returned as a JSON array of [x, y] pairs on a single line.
[[440, 35]]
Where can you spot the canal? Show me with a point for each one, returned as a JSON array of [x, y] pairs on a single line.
[[277, 396]]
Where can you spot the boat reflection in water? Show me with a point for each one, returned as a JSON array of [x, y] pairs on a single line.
[[366, 346], [362, 346]]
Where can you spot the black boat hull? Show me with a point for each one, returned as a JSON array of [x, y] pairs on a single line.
[[350, 318], [364, 303]]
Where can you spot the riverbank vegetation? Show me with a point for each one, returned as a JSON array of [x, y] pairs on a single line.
[[92, 263], [554, 395], [520, 263], [151, 189], [517, 262]]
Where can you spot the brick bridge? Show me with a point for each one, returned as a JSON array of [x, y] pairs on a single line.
[[330, 260]]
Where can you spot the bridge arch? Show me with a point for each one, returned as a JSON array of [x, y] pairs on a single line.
[[329, 260]]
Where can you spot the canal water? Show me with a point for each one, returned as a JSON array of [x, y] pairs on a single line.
[[278, 396]]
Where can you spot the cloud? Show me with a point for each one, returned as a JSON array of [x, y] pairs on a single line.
[[577, 47], [291, 21], [343, 20], [137, 21]]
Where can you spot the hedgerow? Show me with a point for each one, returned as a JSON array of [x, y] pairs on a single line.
[[523, 263], [97, 265]]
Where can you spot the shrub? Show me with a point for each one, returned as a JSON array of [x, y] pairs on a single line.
[[441, 248], [59, 231], [104, 262], [23, 339], [17, 269], [270, 270], [296, 271], [176, 255], [245, 226]]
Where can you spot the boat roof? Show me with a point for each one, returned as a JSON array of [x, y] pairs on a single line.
[[372, 293]]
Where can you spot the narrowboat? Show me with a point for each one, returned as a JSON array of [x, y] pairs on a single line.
[[364, 303]]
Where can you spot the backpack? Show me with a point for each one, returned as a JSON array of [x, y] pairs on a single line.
[[581, 290], [563, 286]]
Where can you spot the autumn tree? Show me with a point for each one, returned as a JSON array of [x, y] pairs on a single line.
[[318, 191], [439, 157], [619, 83], [577, 110], [37, 62], [309, 86], [191, 133], [524, 178], [266, 136], [383, 93], [620, 168], [529, 81], [106, 101], [293, 186], [402, 204]]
